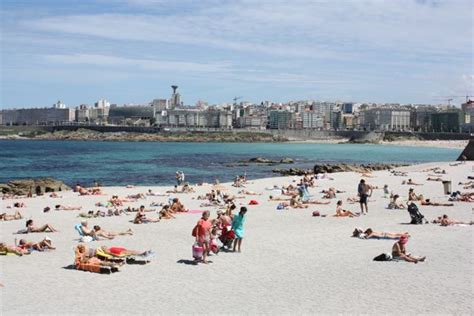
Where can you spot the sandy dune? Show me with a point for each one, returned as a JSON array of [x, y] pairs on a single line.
[[291, 262]]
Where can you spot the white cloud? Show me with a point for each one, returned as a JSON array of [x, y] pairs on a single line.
[[141, 64]]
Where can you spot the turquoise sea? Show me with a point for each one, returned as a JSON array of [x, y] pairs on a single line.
[[153, 163]]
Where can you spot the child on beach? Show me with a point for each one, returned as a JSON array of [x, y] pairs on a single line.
[[238, 227]]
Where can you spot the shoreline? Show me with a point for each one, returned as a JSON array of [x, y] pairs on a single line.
[[450, 144]]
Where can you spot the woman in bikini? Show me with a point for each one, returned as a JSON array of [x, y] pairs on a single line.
[[31, 228], [99, 232], [340, 212], [399, 251]]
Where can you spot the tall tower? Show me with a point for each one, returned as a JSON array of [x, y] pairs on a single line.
[[175, 100]]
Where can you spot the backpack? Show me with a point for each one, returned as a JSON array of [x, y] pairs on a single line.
[[383, 257]]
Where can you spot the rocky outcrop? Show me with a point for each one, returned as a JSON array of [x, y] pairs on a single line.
[[292, 172], [223, 136], [33, 186], [262, 160], [344, 167]]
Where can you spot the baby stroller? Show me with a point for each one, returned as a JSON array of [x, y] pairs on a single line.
[[416, 217], [227, 237]]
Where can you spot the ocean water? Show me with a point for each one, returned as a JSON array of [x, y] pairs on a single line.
[[153, 163]]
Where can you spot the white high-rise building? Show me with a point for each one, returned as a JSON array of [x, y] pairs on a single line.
[[103, 103]]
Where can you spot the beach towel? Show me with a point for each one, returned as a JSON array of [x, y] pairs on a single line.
[[195, 211], [93, 268]]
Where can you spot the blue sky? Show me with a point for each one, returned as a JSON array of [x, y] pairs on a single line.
[[131, 51]]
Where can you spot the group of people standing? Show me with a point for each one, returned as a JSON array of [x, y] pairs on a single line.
[[227, 227]]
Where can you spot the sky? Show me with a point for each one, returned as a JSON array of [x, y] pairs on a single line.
[[132, 51]]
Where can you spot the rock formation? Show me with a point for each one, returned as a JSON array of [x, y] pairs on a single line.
[[37, 186]]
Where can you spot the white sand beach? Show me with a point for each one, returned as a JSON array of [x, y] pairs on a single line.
[[291, 262]]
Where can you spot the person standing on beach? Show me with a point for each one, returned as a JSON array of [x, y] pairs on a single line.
[[178, 178], [364, 190], [203, 234], [238, 227]]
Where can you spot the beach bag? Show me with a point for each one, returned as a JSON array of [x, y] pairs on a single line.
[[280, 206], [197, 251], [316, 213], [253, 202], [195, 231], [383, 257]]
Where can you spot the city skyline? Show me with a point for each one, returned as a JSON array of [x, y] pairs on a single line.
[[130, 51]]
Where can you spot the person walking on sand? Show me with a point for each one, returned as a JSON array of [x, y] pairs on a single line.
[[364, 190], [238, 227]]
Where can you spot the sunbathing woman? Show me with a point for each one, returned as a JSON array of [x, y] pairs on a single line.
[[410, 182], [166, 213], [86, 255], [430, 203], [99, 232], [7, 217], [43, 245], [446, 221], [340, 212], [330, 193], [316, 202], [12, 249], [434, 179], [123, 252], [247, 192], [371, 234], [412, 195], [394, 204], [278, 198], [31, 228], [141, 218], [177, 206], [67, 208], [399, 251], [295, 202]]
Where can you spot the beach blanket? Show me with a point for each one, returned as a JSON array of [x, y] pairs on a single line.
[[195, 211]]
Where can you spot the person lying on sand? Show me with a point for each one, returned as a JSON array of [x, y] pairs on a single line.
[[316, 202], [366, 175], [399, 251], [138, 196], [31, 228], [12, 249], [99, 232], [42, 245], [340, 212], [434, 179], [446, 221], [121, 252], [428, 202], [151, 193], [17, 205], [369, 233], [410, 182], [54, 195], [278, 198], [247, 192], [399, 173], [8, 217], [87, 255], [67, 208], [462, 197]]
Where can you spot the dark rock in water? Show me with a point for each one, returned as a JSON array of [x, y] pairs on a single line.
[[292, 172], [37, 186], [468, 152], [343, 167], [260, 160], [287, 160]]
